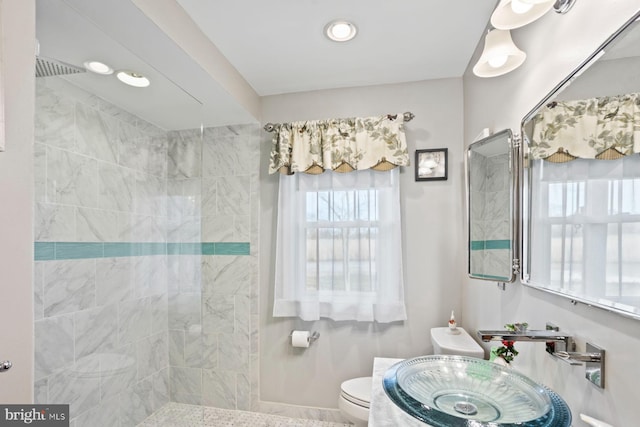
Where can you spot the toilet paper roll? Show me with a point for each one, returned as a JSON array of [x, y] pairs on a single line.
[[300, 339]]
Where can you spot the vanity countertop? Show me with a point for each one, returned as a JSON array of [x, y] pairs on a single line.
[[383, 412]]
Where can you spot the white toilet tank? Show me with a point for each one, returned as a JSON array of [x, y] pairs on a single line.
[[446, 341]]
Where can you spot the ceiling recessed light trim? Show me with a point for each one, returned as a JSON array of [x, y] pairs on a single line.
[[340, 30], [98, 67], [133, 79]]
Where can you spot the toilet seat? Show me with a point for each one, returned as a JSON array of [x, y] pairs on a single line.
[[357, 391]]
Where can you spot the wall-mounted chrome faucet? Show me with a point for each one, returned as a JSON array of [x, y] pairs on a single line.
[[555, 341], [558, 345], [593, 359]]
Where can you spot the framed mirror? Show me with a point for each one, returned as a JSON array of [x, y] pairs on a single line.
[[491, 207], [581, 181]]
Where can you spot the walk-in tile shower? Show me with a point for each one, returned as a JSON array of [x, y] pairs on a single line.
[[145, 261]]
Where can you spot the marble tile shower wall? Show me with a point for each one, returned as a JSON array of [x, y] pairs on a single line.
[[101, 335], [213, 299], [497, 212], [478, 180], [490, 214]]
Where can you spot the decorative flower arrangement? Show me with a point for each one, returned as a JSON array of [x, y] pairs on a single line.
[[507, 351]]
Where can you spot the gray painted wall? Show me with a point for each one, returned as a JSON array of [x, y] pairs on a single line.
[[555, 45], [434, 244], [16, 195]]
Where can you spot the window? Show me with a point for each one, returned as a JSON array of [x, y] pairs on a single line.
[[341, 239], [586, 227], [339, 247]]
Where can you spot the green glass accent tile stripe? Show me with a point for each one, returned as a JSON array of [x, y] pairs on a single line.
[[487, 276], [150, 248], [231, 248], [190, 249], [44, 251], [173, 248], [498, 244], [47, 251], [114, 249], [478, 245], [209, 249], [79, 250]]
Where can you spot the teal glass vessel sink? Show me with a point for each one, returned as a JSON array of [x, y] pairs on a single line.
[[451, 391]]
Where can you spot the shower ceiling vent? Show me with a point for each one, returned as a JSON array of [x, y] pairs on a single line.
[[46, 67]]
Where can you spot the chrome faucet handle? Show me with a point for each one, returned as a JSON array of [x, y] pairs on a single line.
[[578, 357], [5, 366], [593, 359], [565, 345]]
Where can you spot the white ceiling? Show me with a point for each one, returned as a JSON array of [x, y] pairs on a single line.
[[182, 95], [65, 35], [279, 46], [276, 46]]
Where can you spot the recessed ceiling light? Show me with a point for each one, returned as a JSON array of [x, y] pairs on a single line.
[[133, 79], [340, 30], [98, 67]]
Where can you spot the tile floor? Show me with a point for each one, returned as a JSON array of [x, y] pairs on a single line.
[[181, 415]]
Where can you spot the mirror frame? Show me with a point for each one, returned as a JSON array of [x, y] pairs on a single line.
[[525, 176], [513, 149]]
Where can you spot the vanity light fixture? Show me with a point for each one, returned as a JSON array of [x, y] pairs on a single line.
[[133, 79], [500, 55], [98, 67], [512, 14], [340, 30]]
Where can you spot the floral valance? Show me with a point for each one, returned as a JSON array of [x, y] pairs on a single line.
[[341, 145], [606, 128]]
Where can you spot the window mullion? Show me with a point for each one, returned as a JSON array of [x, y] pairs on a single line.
[[619, 246], [345, 258], [563, 234], [318, 256]]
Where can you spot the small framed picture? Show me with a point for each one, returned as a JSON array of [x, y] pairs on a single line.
[[431, 165]]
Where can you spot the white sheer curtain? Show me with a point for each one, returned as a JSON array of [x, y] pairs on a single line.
[[338, 252], [585, 221]]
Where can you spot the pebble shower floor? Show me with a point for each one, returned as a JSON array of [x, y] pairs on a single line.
[[182, 415]]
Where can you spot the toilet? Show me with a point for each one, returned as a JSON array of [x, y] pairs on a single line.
[[446, 342], [355, 394]]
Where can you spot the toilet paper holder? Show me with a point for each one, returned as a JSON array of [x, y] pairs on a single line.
[[313, 337]]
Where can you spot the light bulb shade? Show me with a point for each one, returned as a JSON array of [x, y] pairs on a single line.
[[505, 18], [500, 55]]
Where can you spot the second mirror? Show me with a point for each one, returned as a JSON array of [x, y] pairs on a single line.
[[492, 179]]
